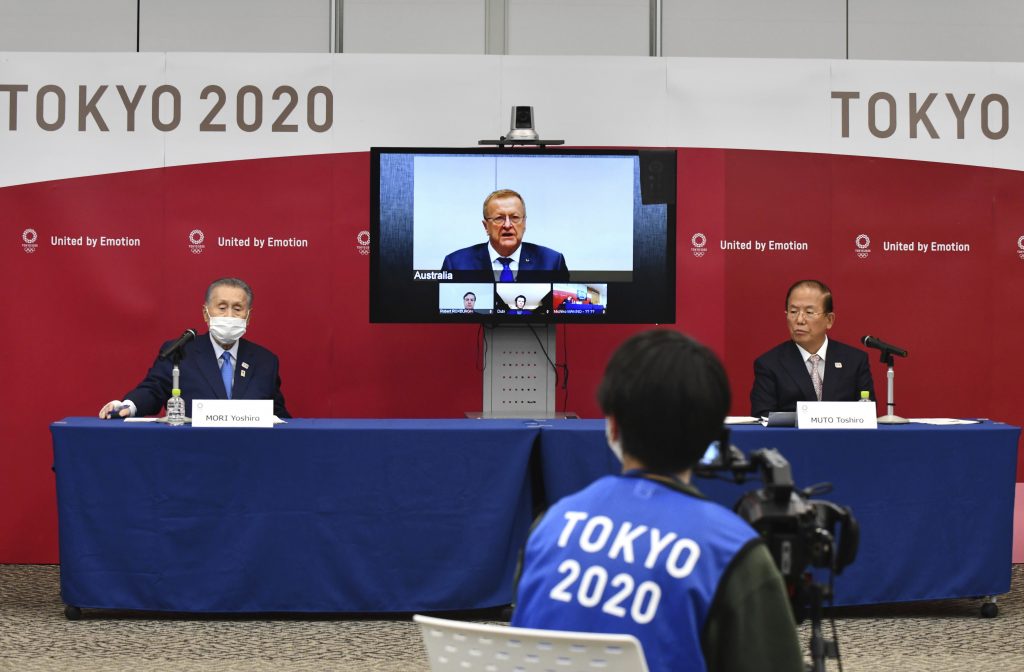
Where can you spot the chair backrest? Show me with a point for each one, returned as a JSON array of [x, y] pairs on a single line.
[[479, 647]]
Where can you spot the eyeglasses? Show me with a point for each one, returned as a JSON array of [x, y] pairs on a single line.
[[500, 219], [809, 313]]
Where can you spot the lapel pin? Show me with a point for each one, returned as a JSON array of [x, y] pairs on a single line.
[[839, 365], [245, 365], [242, 374]]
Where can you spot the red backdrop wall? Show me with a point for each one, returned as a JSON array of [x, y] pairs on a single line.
[[80, 325]]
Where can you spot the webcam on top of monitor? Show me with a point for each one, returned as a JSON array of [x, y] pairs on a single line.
[[521, 131], [522, 124]]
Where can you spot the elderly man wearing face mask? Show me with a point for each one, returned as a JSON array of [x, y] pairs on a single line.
[[217, 365]]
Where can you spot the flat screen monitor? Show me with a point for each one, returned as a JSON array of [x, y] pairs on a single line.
[[567, 238]]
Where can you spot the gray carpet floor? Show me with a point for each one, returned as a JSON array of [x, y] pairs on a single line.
[[35, 636]]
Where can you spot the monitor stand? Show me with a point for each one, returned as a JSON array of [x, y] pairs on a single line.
[[518, 380]]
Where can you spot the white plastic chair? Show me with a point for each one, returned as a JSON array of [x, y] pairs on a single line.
[[454, 646]]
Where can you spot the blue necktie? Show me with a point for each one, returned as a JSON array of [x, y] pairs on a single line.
[[226, 373], [506, 271]]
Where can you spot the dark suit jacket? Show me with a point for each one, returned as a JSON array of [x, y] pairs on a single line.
[[781, 378], [200, 378], [536, 264]]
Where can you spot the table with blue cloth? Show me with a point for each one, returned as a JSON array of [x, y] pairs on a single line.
[[310, 516], [934, 503], [429, 515]]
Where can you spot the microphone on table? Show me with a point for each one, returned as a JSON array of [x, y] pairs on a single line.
[[872, 342], [178, 344]]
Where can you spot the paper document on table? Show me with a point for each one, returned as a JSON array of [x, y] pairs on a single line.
[[945, 421], [741, 420]]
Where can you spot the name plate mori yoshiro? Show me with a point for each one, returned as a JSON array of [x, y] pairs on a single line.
[[835, 415], [232, 413]]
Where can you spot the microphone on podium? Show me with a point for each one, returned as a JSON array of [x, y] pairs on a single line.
[[872, 342], [177, 345]]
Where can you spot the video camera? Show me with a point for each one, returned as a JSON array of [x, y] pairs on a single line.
[[800, 532]]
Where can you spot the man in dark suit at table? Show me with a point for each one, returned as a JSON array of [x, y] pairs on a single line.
[[809, 366], [505, 257], [216, 365]]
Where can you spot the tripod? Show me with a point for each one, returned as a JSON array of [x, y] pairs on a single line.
[[821, 648]]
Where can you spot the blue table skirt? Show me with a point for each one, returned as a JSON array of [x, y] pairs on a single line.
[[424, 515], [935, 504], [312, 516]]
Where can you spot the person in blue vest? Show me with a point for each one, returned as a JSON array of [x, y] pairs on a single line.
[[643, 553]]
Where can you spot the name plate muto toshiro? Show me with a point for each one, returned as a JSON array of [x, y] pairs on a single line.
[[835, 415], [232, 413]]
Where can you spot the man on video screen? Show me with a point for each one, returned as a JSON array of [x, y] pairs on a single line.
[[520, 308], [505, 257]]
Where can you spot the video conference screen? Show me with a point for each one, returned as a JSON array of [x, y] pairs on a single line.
[[519, 235]]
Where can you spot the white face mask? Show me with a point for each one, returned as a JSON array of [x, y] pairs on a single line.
[[227, 330], [616, 446]]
